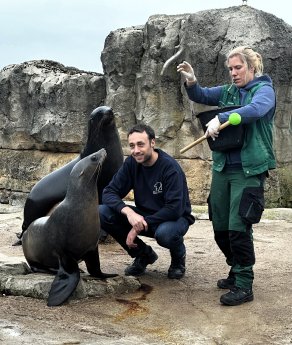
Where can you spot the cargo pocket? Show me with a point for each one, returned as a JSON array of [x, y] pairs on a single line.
[[209, 208], [252, 205]]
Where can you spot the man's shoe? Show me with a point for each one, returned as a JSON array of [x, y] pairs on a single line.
[[140, 263], [227, 283], [177, 268], [237, 296]]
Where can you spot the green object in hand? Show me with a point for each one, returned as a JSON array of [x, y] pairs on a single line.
[[234, 119]]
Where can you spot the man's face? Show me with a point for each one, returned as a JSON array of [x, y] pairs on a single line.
[[141, 148], [239, 73]]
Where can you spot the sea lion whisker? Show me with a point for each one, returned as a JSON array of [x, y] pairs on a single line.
[[97, 132], [95, 173]]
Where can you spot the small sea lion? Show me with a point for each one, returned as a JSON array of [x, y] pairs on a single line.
[[57, 243]]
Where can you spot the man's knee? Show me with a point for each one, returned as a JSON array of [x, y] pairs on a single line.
[[168, 236]]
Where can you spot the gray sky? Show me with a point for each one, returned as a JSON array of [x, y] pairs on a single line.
[[73, 32]]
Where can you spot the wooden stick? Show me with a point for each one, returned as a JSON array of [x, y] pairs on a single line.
[[198, 141]]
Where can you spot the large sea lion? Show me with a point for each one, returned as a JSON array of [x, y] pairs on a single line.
[[51, 189], [70, 234]]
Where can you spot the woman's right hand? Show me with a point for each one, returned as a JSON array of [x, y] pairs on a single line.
[[187, 71]]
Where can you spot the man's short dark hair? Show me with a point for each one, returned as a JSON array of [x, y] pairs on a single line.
[[140, 128]]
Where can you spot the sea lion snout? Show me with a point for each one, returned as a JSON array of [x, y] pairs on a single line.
[[101, 113]]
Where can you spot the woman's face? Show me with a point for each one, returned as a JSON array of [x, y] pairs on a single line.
[[239, 72]]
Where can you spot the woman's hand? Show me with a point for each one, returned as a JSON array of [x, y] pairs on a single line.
[[213, 128], [187, 71]]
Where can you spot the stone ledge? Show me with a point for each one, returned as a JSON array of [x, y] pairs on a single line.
[[16, 279]]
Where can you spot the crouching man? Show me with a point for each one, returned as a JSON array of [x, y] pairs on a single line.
[[162, 207]]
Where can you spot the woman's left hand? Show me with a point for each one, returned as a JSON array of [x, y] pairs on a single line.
[[213, 128]]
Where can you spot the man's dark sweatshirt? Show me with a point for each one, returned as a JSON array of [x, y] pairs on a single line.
[[160, 190]]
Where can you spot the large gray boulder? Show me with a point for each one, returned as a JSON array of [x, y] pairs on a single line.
[[203, 38], [44, 112], [44, 105]]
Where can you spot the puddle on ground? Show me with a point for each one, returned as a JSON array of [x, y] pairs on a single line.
[[133, 305]]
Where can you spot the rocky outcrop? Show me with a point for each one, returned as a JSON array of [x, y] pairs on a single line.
[[44, 111], [44, 105], [203, 39]]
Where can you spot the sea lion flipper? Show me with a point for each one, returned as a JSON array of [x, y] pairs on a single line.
[[93, 265], [65, 282], [18, 242]]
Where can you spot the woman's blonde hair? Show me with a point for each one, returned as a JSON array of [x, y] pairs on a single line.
[[249, 57]]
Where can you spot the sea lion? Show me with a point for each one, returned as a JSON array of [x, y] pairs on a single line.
[[70, 234], [51, 189]]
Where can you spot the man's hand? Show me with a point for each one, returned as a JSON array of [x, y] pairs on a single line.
[[213, 128], [187, 71], [136, 220], [131, 238]]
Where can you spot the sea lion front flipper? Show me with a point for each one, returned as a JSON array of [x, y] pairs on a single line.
[[65, 282], [18, 242], [93, 265]]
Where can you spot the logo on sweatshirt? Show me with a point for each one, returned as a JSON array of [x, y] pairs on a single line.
[[157, 188]]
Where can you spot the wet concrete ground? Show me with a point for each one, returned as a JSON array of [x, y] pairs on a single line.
[[163, 311]]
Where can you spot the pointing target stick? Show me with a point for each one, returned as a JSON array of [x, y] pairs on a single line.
[[234, 119]]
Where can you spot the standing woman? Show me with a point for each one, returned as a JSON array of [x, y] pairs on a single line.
[[236, 199]]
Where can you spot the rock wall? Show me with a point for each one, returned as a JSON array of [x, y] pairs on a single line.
[[44, 106], [44, 109], [137, 90]]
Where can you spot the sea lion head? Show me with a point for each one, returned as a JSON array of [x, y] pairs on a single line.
[[101, 127], [89, 167]]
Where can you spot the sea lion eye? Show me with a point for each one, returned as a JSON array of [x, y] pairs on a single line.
[[81, 173]]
